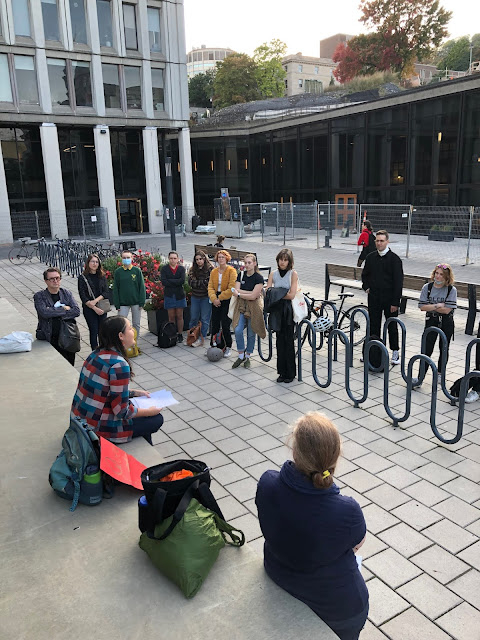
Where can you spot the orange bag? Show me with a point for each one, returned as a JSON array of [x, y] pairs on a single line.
[[177, 475]]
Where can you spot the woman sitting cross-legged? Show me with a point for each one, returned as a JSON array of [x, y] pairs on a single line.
[[102, 397], [248, 310], [312, 532]]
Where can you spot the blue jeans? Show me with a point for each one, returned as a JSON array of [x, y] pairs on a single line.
[[242, 321], [200, 309]]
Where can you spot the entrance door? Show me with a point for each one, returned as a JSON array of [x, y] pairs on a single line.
[[129, 214], [345, 207]]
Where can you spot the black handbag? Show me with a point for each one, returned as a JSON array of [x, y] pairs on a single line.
[[69, 336], [164, 499]]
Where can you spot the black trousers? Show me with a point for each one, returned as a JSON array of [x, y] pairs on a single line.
[[376, 306], [221, 319], [68, 355], [446, 324], [93, 321], [286, 365]]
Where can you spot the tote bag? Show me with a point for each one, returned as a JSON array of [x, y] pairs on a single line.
[[299, 306]]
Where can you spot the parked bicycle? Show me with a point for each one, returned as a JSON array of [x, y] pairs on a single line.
[[316, 313], [28, 249]]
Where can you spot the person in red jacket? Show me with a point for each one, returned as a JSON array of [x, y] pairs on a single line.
[[366, 240]]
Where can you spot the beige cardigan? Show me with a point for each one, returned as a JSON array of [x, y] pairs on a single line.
[[252, 309]]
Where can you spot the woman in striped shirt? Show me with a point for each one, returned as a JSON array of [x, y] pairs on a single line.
[[102, 397]]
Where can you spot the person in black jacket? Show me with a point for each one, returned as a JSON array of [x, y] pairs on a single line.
[[174, 300], [93, 287], [382, 279]]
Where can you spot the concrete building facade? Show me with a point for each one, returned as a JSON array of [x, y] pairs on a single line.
[[328, 45], [202, 59], [306, 74], [93, 98]]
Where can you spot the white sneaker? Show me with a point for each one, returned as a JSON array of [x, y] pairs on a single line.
[[416, 382], [395, 357], [472, 396], [197, 343], [227, 353]]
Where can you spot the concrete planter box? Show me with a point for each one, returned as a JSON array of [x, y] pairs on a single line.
[[155, 318], [441, 236]]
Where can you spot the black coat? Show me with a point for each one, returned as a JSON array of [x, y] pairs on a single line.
[[280, 310]]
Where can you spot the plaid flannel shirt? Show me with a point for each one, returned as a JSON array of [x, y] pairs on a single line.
[[101, 397]]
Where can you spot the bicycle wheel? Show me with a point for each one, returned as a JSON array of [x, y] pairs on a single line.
[[35, 255], [360, 324], [17, 255]]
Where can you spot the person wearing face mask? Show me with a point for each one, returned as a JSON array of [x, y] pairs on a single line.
[[438, 299], [129, 290], [382, 279], [53, 305]]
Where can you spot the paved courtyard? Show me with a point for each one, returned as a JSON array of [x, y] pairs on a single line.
[[421, 499]]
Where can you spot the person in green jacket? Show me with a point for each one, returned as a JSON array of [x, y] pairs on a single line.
[[129, 290]]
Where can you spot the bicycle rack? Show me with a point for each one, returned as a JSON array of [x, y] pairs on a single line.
[[270, 342], [364, 312]]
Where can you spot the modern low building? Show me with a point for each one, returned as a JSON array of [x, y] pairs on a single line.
[[93, 98], [419, 147], [306, 74], [200, 60]]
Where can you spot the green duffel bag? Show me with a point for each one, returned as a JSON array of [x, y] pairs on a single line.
[[190, 550]]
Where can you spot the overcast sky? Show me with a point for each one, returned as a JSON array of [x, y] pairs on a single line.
[[244, 25]]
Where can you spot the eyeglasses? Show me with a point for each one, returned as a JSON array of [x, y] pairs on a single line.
[[53, 279], [443, 266]]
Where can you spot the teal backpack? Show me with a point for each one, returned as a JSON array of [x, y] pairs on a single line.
[[75, 475]]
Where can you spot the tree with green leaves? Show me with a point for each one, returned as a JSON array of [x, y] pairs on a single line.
[[270, 72], [235, 81], [200, 89], [411, 28], [455, 54]]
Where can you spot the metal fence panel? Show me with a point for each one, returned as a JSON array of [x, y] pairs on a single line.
[[81, 223]]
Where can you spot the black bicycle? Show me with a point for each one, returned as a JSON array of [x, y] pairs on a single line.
[[315, 311]]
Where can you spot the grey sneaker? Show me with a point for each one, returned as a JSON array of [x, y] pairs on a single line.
[[416, 382], [395, 357], [472, 396], [237, 363]]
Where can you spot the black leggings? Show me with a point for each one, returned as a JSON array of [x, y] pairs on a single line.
[[221, 319], [94, 322], [446, 324]]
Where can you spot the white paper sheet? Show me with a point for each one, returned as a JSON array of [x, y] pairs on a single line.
[[162, 398]]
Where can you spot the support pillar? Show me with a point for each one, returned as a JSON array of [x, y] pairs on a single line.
[[106, 185], [6, 235], [53, 180], [186, 177], [152, 180]]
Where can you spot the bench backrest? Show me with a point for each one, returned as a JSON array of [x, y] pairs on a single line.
[[343, 271], [237, 256], [415, 283]]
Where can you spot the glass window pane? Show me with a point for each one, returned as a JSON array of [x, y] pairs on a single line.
[[104, 15], [133, 87], [5, 86], [130, 26], [154, 29], [157, 89], [82, 83], [111, 86], [26, 80], [57, 75], [79, 23], [50, 20], [21, 18]]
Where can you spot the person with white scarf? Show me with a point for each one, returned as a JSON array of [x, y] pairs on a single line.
[[382, 279]]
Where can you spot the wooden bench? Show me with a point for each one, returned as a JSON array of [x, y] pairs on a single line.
[[237, 256], [347, 277]]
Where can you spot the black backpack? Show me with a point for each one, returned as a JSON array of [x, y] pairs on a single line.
[[167, 335], [371, 247], [430, 287], [374, 355]]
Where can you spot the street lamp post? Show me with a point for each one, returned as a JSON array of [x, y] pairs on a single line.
[[169, 181]]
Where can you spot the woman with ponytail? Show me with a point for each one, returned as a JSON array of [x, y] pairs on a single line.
[[312, 532]]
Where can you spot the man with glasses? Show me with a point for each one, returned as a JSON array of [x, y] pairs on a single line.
[[53, 305]]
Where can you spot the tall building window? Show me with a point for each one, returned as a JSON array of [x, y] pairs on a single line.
[[82, 83], [5, 84], [50, 20], [154, 29], [133, 87], [300, 83], [111, 86], [57, 75], [26, 80], [130, 26], [157, 90], [21, 18], [79, 22], [300, 68], [105, 29]]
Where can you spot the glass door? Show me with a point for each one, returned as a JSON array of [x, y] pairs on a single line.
[[129, 214]]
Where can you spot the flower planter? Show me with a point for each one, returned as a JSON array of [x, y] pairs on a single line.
[[155, 318], [441, 236]]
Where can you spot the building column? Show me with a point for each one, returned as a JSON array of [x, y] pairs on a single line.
[[186, 177], [6, 235], [106, 185], [152, 180], [53, 180]]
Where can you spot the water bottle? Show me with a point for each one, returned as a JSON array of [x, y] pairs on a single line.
[[91, 487]]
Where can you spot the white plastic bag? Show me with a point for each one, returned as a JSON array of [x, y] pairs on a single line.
[[300, 310], [16, 342]]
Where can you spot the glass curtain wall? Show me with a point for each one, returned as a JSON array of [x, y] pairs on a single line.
[[79, 168], [470, 152]]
